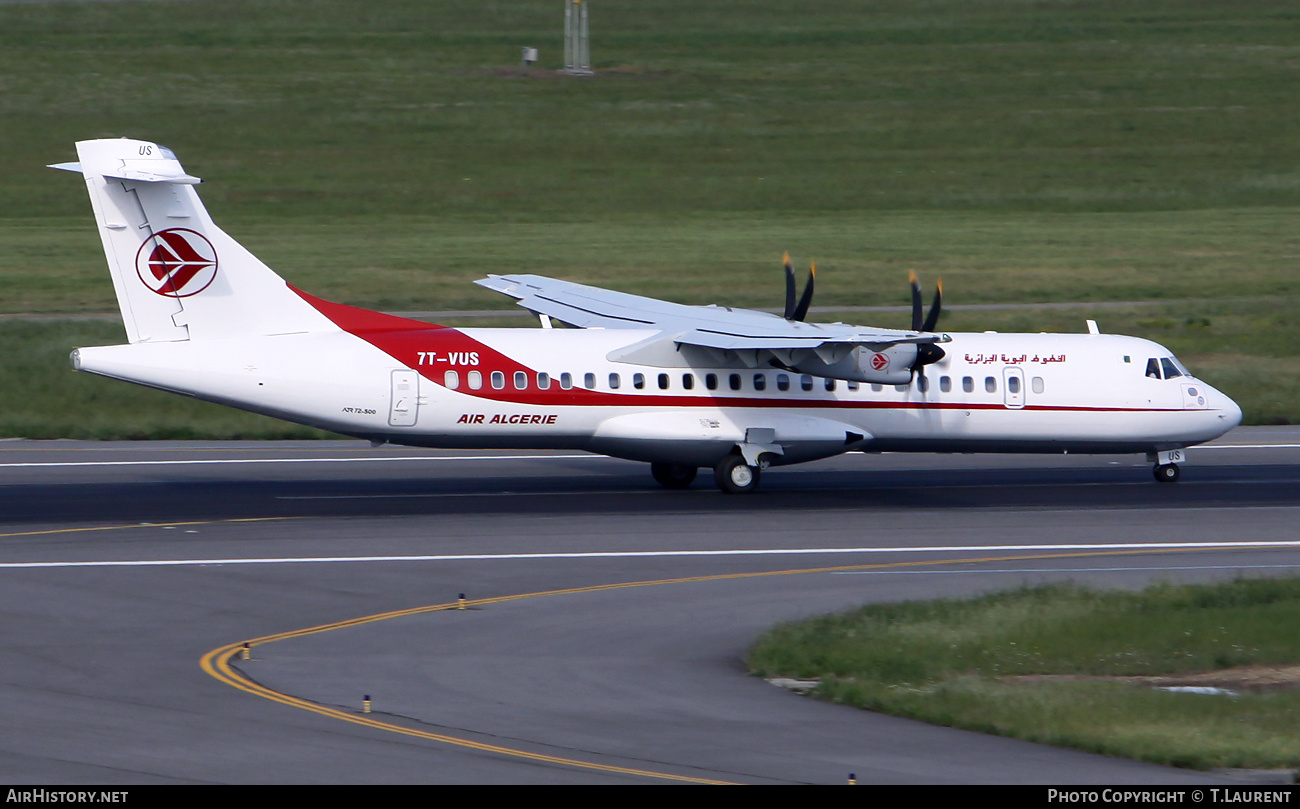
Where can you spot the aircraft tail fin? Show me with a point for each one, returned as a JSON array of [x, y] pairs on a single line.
[[176, 274]]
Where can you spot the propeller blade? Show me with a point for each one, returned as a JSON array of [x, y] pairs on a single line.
[[932, 319], [789, 287], [801, 311], [916, 300]]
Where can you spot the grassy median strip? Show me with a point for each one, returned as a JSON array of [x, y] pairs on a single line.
[[1074, 667]]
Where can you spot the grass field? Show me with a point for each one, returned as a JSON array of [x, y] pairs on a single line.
[[978, 663], [387, 154]]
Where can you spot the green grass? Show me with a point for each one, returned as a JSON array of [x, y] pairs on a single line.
[[426, 263], [952, 662], [387, 154], [45, 398], [350, 108]]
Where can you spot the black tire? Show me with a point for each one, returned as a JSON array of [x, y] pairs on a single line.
[[673, 475], [734, 476], [1167, 472]]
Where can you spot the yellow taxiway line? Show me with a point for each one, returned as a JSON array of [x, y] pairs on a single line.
[[218, 662]]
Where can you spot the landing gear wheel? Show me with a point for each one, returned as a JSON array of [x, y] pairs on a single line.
[[1167, 472], [734, 476], [673, 475]]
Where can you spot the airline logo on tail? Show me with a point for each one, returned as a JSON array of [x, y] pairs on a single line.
[[176, 262]]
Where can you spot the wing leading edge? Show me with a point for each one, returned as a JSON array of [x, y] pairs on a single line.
[[706, 326]]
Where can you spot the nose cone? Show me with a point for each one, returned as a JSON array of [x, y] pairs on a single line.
[[1221, 415], [1229, 412]]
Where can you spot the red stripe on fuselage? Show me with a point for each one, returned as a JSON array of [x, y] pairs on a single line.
[[363, 322], [405, 340]]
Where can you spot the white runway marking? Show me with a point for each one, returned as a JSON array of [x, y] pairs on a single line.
[[984, 570], [426, 458], [424, 495], [1242, 446], [820, 489], [385, 459], [483, 557]]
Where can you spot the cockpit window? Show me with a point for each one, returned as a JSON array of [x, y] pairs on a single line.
[[1171, 370], [1153, 368]]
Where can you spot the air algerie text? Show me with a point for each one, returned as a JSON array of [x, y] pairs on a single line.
[[504, 418]]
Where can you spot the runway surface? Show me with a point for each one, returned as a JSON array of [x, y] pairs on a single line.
[[126, 569]]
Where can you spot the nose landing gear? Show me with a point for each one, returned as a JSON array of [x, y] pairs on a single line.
[[1166, 464], [1167, 472]]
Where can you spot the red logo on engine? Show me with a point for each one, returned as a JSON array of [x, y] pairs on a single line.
[[177, 262], [879, 361]]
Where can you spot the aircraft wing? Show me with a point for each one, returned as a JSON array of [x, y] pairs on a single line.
[[714, 327]]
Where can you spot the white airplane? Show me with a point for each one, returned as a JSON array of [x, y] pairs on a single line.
[[681, 387]]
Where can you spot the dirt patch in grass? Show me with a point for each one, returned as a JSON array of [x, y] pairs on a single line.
[[1239, 678]]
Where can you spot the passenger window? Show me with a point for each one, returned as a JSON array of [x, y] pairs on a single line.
[[1013, 384], [688, 381], [663, 382], [475, 380], [945, 384], [830, 384], [968, 384], [734, 381], [521, 380], [853, 385], [711, 381], [782, 382], [451, 379], [1153, 368], [990, 384], [589, 381], [924, 383], [614, 381], [901, 388], [805, 382], [760, 382], [498, 380], [638, 381], [876, 388], [566, 381], [543, 381], [1038, 384], [1171, 370]]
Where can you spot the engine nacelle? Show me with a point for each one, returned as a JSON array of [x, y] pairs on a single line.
[[889, 366]]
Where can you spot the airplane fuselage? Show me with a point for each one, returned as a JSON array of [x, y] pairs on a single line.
[[556, 388]]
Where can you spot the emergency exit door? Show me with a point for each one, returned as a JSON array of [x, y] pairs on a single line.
[[404, 405]]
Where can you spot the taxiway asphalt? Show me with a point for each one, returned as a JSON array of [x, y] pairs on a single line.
[[123, 566]]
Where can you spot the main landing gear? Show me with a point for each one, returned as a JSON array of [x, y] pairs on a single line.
[[732, 475], [673, 475]]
